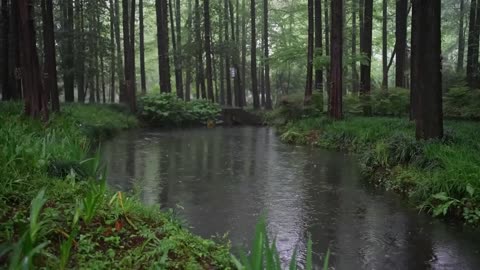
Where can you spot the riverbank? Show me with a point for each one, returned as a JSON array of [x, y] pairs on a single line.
[[56, 211], [440, 177]]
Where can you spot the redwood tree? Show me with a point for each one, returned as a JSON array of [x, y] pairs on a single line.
[[336, 63], [143, 80], [161, 9], [426, 49], [50, 63], [318, 44], [473, 44], [366, 48], [36, 99]]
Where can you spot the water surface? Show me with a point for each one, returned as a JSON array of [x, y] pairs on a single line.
[[222, 180]]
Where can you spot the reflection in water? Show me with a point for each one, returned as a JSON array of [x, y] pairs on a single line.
[[223, 180]]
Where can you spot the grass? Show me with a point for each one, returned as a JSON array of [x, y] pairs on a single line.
[[55, 209], [441, 177]]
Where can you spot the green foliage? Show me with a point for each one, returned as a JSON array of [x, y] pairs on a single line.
[[265, 255], [168, 110], [78, 227], [462, 102], [394, 102], [441, 176]]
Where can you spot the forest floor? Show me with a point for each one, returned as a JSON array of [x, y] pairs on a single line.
[[441, 177], [56, 211]]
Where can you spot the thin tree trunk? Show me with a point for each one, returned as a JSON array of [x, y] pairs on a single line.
[[222, 76], [268, 91], [201, 89], [336, 63], [235, 60], [179, 64], [244, 51], [208, 50], [384, 47], [80, 51], [143, 78], [68, 53], [401, 42], [461, 38], [473, 46], [354, 47], [318, 45], [366, 47], [120, 67], [176, 55], [309, 82], [112, 52], [253, 55], [227, 55], [426, 30], [189, 61]]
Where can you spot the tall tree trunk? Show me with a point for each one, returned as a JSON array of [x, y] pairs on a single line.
[[268, 91], [4, 17], [354, 47], [188, 82], [336, 63], [161, 9], [401, 42], [227, 55], [208, 50], [80, 51], [461, 38], [129, 52], [68, 52], [50, 65], [120, 67], [309, 82], [221, 62], [143, 77], [385, 45], [473, 45], [176, 55], [244, 51], [235, 59], [366, 47], [36, 98], [179, 64], [201, 89], [14, 62], [426, 30], [102, 77], [327, 44], [253, 55], [318, 45], [112, 51]]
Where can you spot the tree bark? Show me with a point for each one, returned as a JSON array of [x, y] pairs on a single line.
[[208, 50], [401, 42], [80, 51], [179, 67], [473, 46], [354, 47], [4, 17], [176, 55], [50, 64], [201, 89], [120, 67], [336, 63], [268, 91], [143, 77], [68, 53], [112, 51], [161, 9], [253, 56], [188, 82], [318, 45], [385, 46], [36, 98], [244, 51], [309, 81], [227, 55], [235, 59], [366, 48], [461, 38], [426, 30]]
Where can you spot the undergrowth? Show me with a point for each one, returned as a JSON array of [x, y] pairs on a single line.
[[441, 176]]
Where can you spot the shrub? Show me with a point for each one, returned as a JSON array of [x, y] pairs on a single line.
[[169, 110]]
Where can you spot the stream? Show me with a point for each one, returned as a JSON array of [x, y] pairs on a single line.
[[223, 180]]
